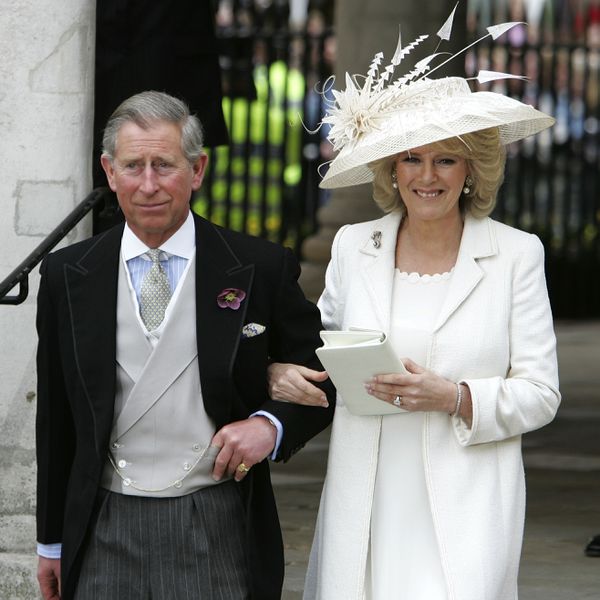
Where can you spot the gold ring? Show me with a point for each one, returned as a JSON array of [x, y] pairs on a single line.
[[242, 468]]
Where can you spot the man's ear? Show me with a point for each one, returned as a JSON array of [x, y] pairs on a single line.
[[199, 168], [109, 169]]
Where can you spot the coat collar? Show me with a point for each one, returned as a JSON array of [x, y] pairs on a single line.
[[378, 262]]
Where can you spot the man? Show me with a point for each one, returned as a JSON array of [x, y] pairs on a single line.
[[154, 422]]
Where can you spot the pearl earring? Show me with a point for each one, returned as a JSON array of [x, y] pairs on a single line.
[[468, 183], [394, 179]]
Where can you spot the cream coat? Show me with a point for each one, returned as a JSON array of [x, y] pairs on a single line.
[[495, 333]]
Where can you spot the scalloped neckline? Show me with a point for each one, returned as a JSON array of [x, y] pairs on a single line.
[[415, 277]]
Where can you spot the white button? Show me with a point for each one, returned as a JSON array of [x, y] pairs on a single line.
[[122, 464], [196, 447], [178, 484], [186, 466], [127, 481], [116, 445]]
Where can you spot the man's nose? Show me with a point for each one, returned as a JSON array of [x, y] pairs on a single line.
[[149, 183]]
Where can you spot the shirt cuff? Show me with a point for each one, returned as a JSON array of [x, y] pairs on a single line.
[[49, 550], [277, 423]]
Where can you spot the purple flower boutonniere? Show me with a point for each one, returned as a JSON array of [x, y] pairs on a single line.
[[230, 298]]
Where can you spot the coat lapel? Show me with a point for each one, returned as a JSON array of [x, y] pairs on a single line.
[[378, 267], [477, 242], [91, 286], [218, 329]]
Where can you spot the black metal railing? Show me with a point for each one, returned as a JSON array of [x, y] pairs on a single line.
[[20, 275]]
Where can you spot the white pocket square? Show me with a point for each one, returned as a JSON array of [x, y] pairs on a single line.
[[252, 330]]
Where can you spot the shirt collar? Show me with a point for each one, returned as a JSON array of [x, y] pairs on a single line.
[[181, 243]]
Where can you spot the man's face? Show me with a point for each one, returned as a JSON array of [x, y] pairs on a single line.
[[153, 180]]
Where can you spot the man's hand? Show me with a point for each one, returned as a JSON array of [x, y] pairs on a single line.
[[244, 442], [48, 576]]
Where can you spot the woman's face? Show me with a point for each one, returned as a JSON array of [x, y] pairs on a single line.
[[430, 182]]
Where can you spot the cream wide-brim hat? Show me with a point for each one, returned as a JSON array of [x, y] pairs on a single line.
[[428, 111]]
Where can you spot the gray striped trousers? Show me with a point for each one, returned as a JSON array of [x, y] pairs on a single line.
[[187, 548]]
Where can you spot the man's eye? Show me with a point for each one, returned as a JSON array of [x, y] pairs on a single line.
[[163, 166]]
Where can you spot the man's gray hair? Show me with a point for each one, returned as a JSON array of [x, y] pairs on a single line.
[[147, 108]]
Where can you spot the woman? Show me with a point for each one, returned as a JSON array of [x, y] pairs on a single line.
[[429, 504]]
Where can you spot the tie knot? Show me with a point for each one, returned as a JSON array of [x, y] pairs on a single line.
[[154, 254]]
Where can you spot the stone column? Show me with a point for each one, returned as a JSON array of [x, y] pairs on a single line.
[[46, 107], [363, 29]]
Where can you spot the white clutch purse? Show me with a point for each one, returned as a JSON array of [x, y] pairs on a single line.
[[351, 358]]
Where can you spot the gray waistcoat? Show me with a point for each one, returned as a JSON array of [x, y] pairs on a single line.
[[159, 445]]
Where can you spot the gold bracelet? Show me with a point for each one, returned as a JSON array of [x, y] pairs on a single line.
[[456, 412]]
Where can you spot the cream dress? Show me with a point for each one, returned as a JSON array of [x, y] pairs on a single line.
[[404, 561]]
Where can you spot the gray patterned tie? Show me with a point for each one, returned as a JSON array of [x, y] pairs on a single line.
[[155, 293]]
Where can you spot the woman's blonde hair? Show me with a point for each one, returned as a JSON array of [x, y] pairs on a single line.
[[485, 156]]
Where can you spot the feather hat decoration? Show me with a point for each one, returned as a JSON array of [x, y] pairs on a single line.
[[383, 116]]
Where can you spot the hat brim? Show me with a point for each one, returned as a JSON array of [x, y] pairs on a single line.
[[408, 129]]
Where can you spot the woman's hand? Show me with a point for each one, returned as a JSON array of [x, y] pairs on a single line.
[[291, 383], [420, 390]]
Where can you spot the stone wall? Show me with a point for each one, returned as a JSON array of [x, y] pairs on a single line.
[[46, 107]]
